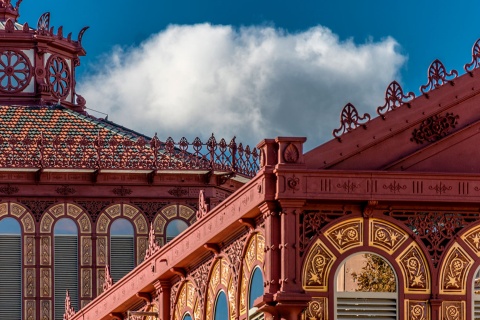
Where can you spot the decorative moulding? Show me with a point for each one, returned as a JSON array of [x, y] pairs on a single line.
[[434, 128]]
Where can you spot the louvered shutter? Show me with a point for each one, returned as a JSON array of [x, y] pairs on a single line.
[[476, 307], [367, 305], [254, 314], [10, 277], [66, 272], [122, 259]]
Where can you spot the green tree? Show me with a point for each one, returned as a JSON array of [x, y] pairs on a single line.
[[376, 275]]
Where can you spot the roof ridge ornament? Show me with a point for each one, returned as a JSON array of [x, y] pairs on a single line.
[[438, 76], [43, 24], [7, 10], [349, 120], [108, 283], [394, 98], [475, 63]]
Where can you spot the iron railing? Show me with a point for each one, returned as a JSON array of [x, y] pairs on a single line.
[[116, 152]]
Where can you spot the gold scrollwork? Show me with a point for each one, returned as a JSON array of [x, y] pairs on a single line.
[[415, 269], [316, 310], [472, 239], [417, 310], [453, 310], [386, 236], [347, 235], [316, 268], [454, 270]]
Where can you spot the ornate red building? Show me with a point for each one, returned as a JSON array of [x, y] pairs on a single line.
[[79, 193], [401, 189]]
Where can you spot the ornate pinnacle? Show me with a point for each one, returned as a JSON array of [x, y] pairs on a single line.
[[108, 279], [152, 244], [202, 205], [69, 311]]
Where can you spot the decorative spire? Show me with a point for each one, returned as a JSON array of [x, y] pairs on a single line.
[[202, 205], [8, 11], [349, 120], [108, 279], [152, 244], [69, 311]]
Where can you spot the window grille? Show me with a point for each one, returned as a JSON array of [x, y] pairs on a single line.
[[122, 259], [11, 277], [366, 305], [66, 272]]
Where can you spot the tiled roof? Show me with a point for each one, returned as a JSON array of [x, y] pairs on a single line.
[[57, 121]]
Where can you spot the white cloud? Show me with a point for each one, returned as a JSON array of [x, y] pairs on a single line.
[[255, 82]]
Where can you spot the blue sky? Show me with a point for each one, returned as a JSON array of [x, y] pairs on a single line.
[[423, 31]]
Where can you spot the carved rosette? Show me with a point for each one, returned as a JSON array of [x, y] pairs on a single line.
[[454, 271], [453, 310], [15, 71], [58, 76], [346, 235], [317, 267], [415, 270], [317, 309], [386, 236], [434, 128], [417, 310], [291, 154]]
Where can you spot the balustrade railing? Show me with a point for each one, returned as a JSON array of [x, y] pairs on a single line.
[[81, 152]]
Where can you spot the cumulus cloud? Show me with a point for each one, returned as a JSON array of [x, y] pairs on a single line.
[[252, 82]]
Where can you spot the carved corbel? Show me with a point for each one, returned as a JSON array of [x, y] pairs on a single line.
[[145, 296], [250, 223], [179, 272], [369, 207], [213, 247]]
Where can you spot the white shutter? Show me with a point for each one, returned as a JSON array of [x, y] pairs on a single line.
[[254, 314], [66, 272], [367, 305], [122, 259], [10, 277]]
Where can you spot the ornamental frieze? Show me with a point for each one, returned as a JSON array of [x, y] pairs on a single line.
[[346, 235], [317, 268], [415, 269], [386, 236], [434, 128], [454, 271]]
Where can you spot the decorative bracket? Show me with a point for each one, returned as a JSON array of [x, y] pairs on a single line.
[[250, 223], [223, 178], [151, 177], [469, 67], [437, 77], [349, 120], [145, 296], [213, 247], [394, 98], [179, 272]]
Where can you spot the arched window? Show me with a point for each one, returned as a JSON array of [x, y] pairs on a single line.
[[255, 291], [65, 264], [476, 295], [366, 287], [221, 307], [122, 255], [174, 228], [10, 269], [187, 316]]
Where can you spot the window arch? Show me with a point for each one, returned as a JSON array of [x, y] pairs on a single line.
[[122, 253], [187, 316], [221, 307], [366, 284], [174, 228], [255, 290], [10, 269], [65, 233]]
